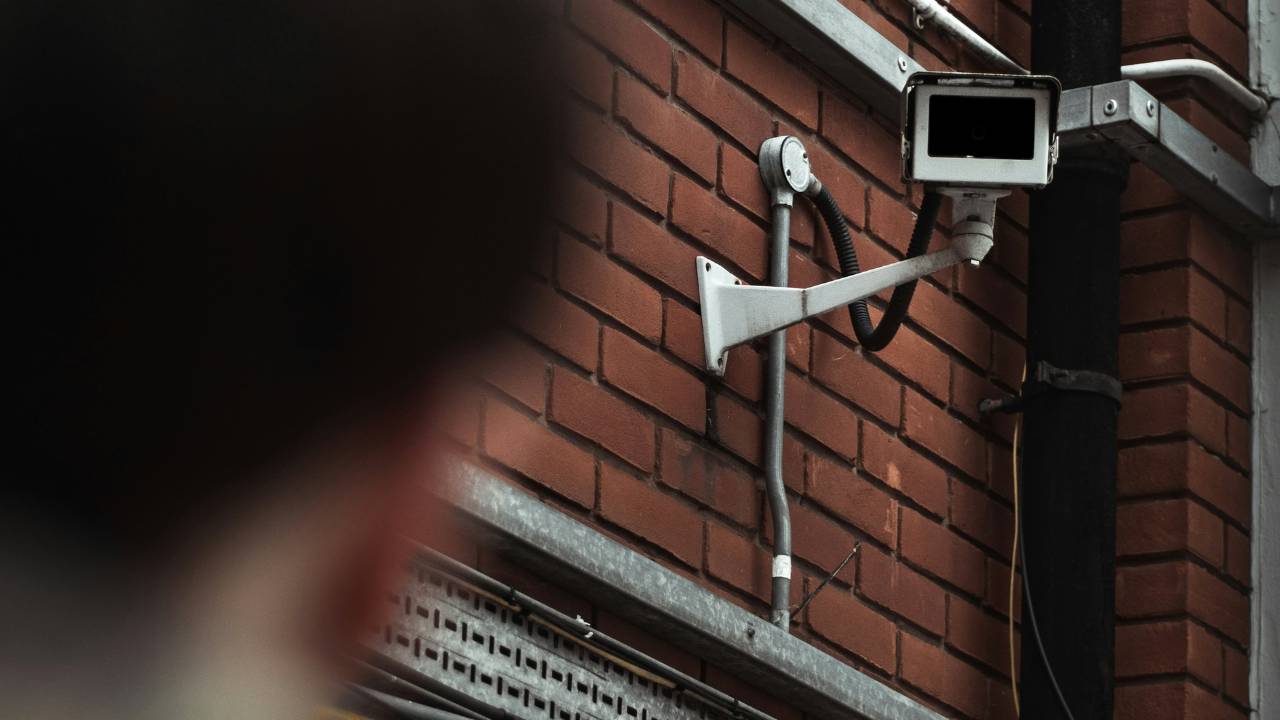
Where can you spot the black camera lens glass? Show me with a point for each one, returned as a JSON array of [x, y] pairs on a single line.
[[1001, 128]]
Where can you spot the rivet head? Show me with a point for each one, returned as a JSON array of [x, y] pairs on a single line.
[[1110, 107], [902, 63], [1151, 108]]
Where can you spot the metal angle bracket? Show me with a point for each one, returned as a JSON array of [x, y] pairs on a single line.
[[734, 313]]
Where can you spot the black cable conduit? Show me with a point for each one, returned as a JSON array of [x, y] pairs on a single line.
[[877, 337]]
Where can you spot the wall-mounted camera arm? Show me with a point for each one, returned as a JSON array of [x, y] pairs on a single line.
[[733, 313]]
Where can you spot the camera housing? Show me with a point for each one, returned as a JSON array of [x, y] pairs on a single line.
[[980, 130]]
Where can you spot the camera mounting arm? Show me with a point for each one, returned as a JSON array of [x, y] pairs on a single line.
[[734, 313]]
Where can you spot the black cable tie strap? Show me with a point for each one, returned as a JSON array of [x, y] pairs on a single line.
[[1047, 378]]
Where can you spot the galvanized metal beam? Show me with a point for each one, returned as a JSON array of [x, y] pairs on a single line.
[[668, 605], [861, 59], [830, 36], [1126, 114]]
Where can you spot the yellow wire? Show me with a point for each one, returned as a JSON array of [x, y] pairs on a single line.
[[1013, 557]]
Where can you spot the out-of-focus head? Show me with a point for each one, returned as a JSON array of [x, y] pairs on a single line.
[[241, 237]]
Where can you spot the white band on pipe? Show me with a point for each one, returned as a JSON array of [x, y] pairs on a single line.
[[782, 566]]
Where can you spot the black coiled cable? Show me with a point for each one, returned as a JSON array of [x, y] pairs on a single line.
[[877, 337]]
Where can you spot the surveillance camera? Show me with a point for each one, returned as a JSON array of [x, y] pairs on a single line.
[[980, 131]]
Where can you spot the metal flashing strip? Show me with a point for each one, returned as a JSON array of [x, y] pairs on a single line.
[[865, 62], [668, 605], [830, 36]]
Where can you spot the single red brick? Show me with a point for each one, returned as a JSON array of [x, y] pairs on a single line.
[[1146, 191], [1163, 648], [821, 416], [728, 232], [661, 519], [738, 428], [954, 325], [591, 277], [622, 163], [583, 207], [839, 489], [978, 14], [1011, 251], [920, 361], [588, 72], [518, 370], [798, 346], [1238, 552], [901, 590], [903, 469], [1155, 354], [560, 325], [1170, 294], [672, 130], [1162, 526], [651, 249], [839, 617], [532, 450], [698, 22], [597, 415], [751, 61], [1009, 360], [1013, 34], [698, 473], [848, 373], [941, 552], [1173, 409], [997, 596], [1217, 604], [625, 35], [1236, 675], [738, 561], [847, 188], [854, 132], [1177, 587], [995, 294], [683, 338], [717, 99], [944, 677], [983, 637], [953, 441], [793, 463], [648, 377], [980, 517], [1178, 466], [1239, 327], [1239, 440], [890, 219]]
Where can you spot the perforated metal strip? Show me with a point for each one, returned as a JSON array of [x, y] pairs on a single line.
[[476, 644]]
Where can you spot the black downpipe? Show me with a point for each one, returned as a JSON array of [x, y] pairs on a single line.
[[1069, 471], [877, 337]]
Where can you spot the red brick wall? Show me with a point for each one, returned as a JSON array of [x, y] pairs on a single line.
[[599, 404]]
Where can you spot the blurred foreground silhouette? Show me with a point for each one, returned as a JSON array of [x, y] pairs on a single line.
[[242, 240]]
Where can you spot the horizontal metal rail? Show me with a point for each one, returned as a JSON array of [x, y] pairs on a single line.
[[668, 605]]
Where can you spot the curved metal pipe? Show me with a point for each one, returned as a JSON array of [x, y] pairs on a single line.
[[932, 10], [1254, 102]]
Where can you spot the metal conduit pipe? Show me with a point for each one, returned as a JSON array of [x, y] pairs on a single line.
[[927, 10], [1256, 103], [774, 392]]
